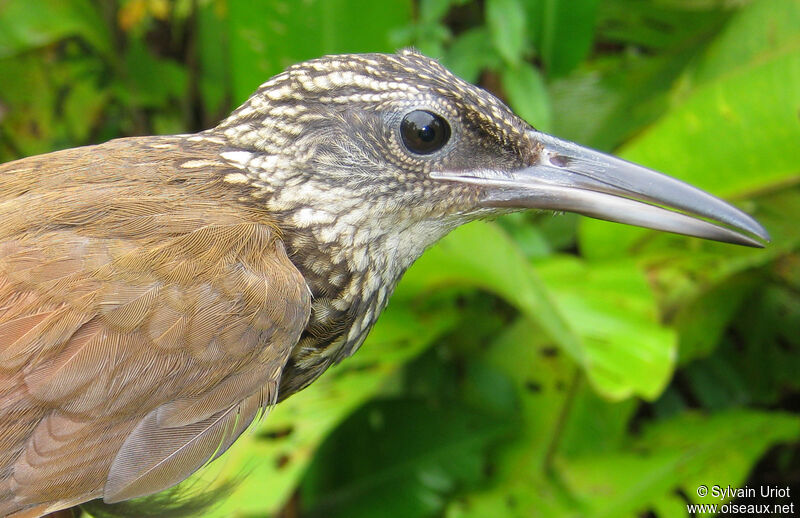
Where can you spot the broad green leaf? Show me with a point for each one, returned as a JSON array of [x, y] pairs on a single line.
[[534, 497], [82, 108], [681, 269], [591, 424], [427, 37], [506, 22], [560, 416], [560, 412], [659, 24], [562, 32], [402, 456], [626, 350], [470, 53], [716, 385], [482, 255], [25, 25], [613, 97], [670, 506], [433, 10], [540, 234], [275, 454], [214, 68], [758, 362], [680, 453], [677, 454], [604, 317], [768, 357], [702, 322], [541, 376], [733, 136], [267, 37], [527, 94], [48, 105], [524, 228], [28, 121], [764, 27], [607, 101], [153, 81]]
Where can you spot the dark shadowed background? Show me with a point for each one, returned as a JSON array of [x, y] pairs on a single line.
[[537, 365]]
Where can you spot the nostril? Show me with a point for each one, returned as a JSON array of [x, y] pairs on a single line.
[[559, 160]]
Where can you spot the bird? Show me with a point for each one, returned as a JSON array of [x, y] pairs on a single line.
[[159, 294]]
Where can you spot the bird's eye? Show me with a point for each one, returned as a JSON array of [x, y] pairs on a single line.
[[424, 132]]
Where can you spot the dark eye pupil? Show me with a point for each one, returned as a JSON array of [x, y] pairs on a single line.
[[427, 134], [424, 132]]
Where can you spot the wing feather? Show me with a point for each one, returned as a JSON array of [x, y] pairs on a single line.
[[171, 452], [143, 322]]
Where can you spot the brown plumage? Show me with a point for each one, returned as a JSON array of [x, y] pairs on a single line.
[[146, 317], [158, 293]]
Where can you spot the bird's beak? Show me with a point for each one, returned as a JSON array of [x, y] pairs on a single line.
[[573, 178]]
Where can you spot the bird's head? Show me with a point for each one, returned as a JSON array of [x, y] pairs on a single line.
[[358, 146]]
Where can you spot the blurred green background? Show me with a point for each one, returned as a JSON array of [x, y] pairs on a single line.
[[537, 365]]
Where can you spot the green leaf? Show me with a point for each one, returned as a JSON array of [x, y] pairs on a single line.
[[593, 425], [541, 377], [470, 53], [562, 31], [515, 499], [527, 95], [614, 96], [607, 101], [734, 136], [559, 411], [426, 37], [50, 104], [549, 388], [714, 129], [506, 22], [402, 456], [759, 360], [703, 320], [600, 469], [433, 10], [681, 268], [626, 350], [153, 81], [642, 474], [267, 37], [214, 69], [28, 25], [82, 109], [604, 317], [482, 255], [533, 241], [279, 451], [768, 358], [30, 103], [658, 25], [680, 453], [763, 28]]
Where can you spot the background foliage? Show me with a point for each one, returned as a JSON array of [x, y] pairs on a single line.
[[531, 366]]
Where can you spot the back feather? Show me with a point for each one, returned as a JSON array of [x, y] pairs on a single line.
[[146, 315]]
